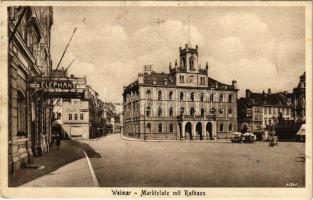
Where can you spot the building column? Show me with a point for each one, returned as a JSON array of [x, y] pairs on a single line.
[[204, 133], [193, 130], [183, 130]]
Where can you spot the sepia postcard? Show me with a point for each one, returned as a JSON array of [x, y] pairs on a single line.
[[156, 99]]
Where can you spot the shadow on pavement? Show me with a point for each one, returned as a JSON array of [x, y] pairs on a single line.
[[90, 151], [70, 151]]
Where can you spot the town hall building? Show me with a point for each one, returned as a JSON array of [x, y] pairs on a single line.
[[184, 104]]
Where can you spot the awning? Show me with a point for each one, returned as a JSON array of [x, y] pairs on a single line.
[[301, 131]]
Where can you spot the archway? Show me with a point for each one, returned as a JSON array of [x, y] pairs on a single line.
[[199, 130], [209, 130], [188, 130]]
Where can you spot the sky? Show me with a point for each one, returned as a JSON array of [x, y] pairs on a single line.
[[260, 47]]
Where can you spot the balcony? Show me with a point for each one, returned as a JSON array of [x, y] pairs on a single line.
[[196, 117]]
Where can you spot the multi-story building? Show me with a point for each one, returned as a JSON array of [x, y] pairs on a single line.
[[256, 111], [182, 104], [29, 112], [299, 101], [79, 116]]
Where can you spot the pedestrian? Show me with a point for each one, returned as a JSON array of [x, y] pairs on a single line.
[[58, 140]]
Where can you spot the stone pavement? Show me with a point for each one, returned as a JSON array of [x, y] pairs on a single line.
[[67, 167]]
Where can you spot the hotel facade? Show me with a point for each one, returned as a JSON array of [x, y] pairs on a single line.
[[184, 104]]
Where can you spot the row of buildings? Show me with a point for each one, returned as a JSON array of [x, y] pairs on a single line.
[[186, 103], [43, 101]]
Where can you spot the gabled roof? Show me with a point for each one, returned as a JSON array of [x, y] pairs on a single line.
[[265, 99]]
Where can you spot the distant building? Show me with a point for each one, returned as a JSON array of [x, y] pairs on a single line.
[[256, 111], [118, 117], [79, 115], [299, 101], [29, 112], [182, 104]]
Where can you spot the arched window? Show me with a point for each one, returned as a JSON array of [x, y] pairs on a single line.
[[192, 96], [171, 128], [160, 112], [171, 112], [148, 111], [192, 111], [160, 128], [148, 94], [181, 96], [221, 98], [182, 110], [201, 97], [221, 127], [211, 97], [230, 98], [148, 128], [202, 112], [160, 95], [170, 95], [230, 111], [230, 127]]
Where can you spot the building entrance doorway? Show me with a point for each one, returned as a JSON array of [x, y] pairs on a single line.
[[209, 130], [188, 131], [199, 130]]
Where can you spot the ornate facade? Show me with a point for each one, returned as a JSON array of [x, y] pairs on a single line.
[[182, 104], [299, 101], [29, 113]]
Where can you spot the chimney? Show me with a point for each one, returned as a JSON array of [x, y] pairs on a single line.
[[248, 94], [196, 46], [234, 84], [140, 78], [269, 91], [170, 66], [176, 63], [186, 46]]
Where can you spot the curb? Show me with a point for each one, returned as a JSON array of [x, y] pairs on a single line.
[[92, 172], [174, 141]]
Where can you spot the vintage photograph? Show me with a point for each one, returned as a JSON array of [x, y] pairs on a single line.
[[156, 97]]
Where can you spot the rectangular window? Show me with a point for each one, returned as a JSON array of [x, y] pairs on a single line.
[[81, 116], [70, 117], [269, 110], [287, 111], [265, 110], [76, 117]]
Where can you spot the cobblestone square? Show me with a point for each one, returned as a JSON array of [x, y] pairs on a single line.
[[125, 163]]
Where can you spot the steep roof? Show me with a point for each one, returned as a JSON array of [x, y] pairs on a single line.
[[159, 78], [265, 99]]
